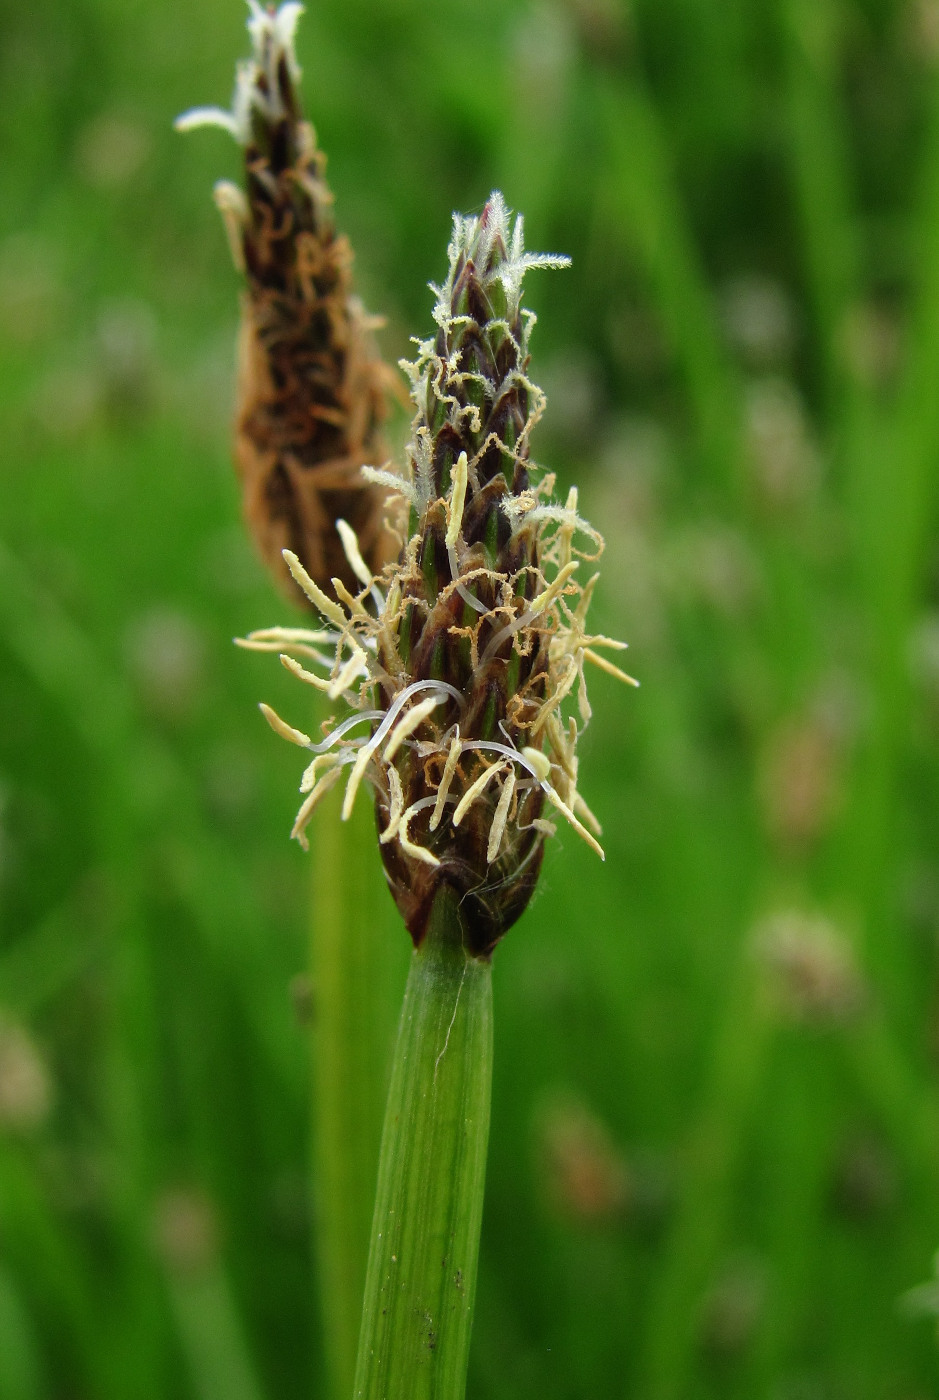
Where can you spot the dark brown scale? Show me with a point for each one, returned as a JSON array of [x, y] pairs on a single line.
[[476, 512], [488, 703], [475, 359], [520, 481], [507, 410], [287, 93], [477, 302], [447, 449], [507, 357]]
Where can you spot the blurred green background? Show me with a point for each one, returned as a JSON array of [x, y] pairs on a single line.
[[715, 1149]]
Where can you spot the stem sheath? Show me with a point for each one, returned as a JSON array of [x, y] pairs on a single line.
[[414, 1343]]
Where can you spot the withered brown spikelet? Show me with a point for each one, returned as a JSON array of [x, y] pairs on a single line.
[[312, 390]]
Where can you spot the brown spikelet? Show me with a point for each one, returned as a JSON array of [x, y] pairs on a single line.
[[312, 391]]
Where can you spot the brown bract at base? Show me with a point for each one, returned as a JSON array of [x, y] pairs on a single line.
[[486, 910]]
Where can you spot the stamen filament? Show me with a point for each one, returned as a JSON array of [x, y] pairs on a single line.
[[377, 739]]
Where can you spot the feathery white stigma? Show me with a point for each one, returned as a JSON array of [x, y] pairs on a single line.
[[257, 83]]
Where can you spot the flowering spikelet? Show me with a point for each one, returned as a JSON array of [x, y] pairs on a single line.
[[461, 660], [312, 391]]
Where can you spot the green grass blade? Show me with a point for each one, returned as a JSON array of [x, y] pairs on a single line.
[[212, 1337], [63, 661], [20, 1368], [743, 1042], [894, 508], [425, 1235], [819, 151], [357, 961], [643, 198]]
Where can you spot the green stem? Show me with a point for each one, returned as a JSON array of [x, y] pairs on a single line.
[[357, 962], [416, 1322]]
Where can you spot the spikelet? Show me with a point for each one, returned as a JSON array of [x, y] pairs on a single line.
[[312, 391], [463, 660]]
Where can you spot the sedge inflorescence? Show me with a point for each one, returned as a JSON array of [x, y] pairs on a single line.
[[463, 662], [312, 390]]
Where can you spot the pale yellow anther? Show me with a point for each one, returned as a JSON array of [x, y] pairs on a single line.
[[233, 207], [610, 669], [580, 806], [562, 746], [285, 730], [357, 663], [329, 609], [302, 674], [397, 808], [539, 761], [350, 600], [457, 498], [394, 598], [351, 546], [497, 829], [306, 811], [583, 704], [355, 778], [255, 644], [538, 605], [560, 692], [407, 725], [313, 770], [473, 791], [287, 636], [578, 826], [453, 758], [410, 847], [580, 614], [569, 527]]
